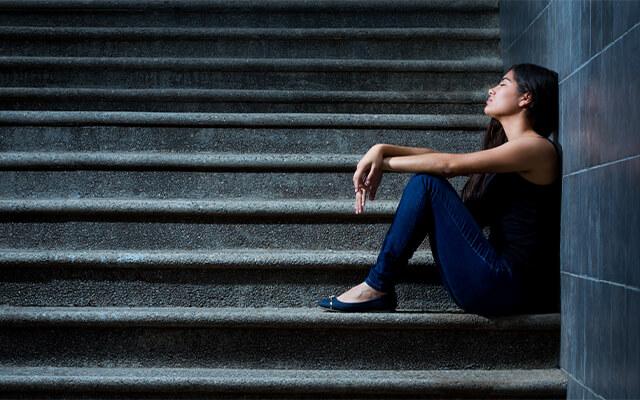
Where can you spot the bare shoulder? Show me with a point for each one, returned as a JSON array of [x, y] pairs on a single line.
[[545, 171]]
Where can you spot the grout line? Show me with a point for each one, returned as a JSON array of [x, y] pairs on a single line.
[[588, 278], [582, 384], [584, 64], [528, 26], [583, 170]]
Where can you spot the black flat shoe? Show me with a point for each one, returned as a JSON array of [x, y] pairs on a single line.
[[386, 302]]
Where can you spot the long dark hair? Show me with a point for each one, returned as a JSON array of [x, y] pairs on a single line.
[[542, 113]]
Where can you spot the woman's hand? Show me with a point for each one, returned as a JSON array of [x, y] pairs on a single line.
[[367, 177]]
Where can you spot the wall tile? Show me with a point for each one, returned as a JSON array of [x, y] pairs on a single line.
[[599, 215], [632, 351], [532, 47], [515, 17], [610, 19], [609, 86], [568, 320], [575, 391], [591, 331], [612, 338], [569, 20]]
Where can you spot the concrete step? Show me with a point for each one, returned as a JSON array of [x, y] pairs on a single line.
[[344, 43], [266, 185], [292, 120], [215, 278], [359, 43], [241, 101], [200, 383], [188, 224], [478, 73], [291, 338], [262, 177], [242, 13], [171, 145]]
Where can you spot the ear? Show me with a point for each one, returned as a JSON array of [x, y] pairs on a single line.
[[526, 100]]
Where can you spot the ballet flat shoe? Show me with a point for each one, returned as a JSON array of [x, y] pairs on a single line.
[[386, 302]]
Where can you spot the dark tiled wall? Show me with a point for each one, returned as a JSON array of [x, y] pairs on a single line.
[[595, 48]]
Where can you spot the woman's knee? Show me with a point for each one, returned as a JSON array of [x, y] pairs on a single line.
[[428, 180], [427, 177]]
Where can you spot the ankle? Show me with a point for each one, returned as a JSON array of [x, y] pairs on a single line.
[[370, 289]]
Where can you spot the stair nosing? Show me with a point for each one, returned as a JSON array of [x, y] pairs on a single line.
[[358, 5], [136, 208], [493, 382], [285, 317], [199, 161], [134, 118], [250, 33], [238, 258], [280, 96], [478, 64]]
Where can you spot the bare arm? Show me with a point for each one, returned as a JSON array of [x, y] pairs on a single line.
[[512, 156], [391, 150], [434, 163]]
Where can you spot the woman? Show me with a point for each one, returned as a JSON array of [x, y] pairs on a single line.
[[514, 188]]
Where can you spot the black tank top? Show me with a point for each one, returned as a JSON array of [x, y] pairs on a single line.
[[524, 222]]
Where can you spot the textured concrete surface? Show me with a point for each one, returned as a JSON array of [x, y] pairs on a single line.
[[515, 383], [398, 43], [243, 73], [273, 338], [173, 194], [173, 180], [224, 278], [204, 234], [245, 140], [294, 120]]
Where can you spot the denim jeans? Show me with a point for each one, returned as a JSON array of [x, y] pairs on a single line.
[[478, 279]]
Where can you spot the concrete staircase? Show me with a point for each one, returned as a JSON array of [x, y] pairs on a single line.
[[175, 197]]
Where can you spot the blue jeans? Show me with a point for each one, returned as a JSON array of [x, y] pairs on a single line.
[[478, 279]]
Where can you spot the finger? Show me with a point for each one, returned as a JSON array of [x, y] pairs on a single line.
[[370, 177], [357, 205], [364, 198], [357, 180]]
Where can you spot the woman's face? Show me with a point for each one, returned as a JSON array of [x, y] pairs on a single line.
[[504, 98]]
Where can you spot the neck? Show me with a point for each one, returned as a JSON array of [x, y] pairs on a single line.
[[516, 126]]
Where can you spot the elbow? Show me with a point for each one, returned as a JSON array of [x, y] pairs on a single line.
[[448, 169]]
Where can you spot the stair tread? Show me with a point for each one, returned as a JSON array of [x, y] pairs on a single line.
[[373, 379], [218, 258], [271, 317], [262, 95], [263, 33], [359, 5], [277, 64], [237, 207], [170, 160], [326, 120]]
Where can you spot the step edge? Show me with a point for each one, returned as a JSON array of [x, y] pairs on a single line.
[[132, 118], [257, 96], [140, 33], [267, 317], [533, 381], [480, 64], [357, 5], [268, 259]]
